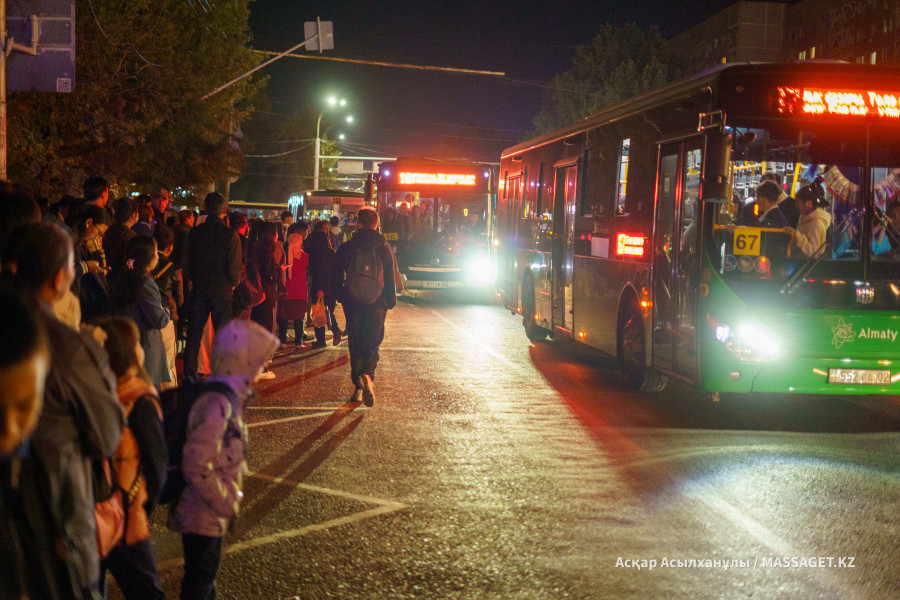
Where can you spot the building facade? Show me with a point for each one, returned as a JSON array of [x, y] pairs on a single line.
[[861, 31]]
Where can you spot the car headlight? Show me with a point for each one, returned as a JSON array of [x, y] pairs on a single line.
[[480, 270], [748, 342]]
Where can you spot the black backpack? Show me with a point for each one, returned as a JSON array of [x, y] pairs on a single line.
[[176, 404], [365, 275]]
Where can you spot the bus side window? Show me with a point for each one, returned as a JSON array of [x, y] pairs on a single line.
[[597, 199], [545, 219]]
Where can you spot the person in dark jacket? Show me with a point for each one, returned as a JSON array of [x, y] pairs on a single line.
[[321, 258], [89, 224], [81, 419], [30, 566], [167, 276], [268, 255], [212, 268], [120, 232], [182, 229], [365, 322], [136, 296]]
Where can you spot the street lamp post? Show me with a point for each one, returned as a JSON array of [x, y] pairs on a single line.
[[332, 102]]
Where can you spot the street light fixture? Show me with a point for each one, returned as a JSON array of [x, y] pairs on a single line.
[[332, 103]]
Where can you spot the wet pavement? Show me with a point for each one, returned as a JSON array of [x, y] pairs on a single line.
[[493, 467]]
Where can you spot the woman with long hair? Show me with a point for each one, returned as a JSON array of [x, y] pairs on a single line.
[[269, 257], [136, 295], [812, 226], [293, 306]]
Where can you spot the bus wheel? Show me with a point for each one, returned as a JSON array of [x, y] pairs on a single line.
[[533, 331], [633, 355]]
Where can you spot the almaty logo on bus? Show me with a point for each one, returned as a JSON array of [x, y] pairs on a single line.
[[843, 332]]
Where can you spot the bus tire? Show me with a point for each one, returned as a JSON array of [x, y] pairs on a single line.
[[533, 331], [633, 354]]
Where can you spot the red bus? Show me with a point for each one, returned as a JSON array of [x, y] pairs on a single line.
[[442, 233]]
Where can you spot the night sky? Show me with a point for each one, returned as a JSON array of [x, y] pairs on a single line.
[[402, 112]]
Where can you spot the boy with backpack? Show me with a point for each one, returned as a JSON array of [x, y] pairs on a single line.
[[214, 452], [362, 279]]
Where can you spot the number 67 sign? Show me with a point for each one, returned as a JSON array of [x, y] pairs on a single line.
[[746, 241]]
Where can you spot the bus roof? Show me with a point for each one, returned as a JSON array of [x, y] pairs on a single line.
[[824, 71]]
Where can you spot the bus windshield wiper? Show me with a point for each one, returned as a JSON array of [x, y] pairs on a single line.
[[807, 267]]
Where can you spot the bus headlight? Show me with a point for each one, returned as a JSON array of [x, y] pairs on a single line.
[[480, 271], [748, 342]]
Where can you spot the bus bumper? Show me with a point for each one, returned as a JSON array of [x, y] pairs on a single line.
[[789, 375]]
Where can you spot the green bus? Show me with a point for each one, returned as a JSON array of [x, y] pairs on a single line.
[[637, 231]]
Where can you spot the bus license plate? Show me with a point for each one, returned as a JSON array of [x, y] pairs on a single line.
[[860, 376], [434, 284]]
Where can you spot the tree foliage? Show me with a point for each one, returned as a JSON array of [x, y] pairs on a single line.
[[136, 115], [279, 159], [619, 63]]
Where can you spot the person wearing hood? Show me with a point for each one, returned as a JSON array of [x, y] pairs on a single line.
[[321, 258], [214, 461], [809, 236], [365, 322], [335, 232]]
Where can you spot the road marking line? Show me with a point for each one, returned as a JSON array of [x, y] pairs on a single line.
[[335, 408], [383, 507], [329, 491], [300, 418], [766, 537]]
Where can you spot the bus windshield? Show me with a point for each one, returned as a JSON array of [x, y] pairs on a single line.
[[851, 231]]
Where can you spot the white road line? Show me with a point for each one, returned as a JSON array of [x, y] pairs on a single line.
[[843, 588], [383, 507], [329, 491], [300, 418], [335, 408]]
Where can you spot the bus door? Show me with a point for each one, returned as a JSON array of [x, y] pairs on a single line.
[[676, 259], [513, 193], [563, 257]]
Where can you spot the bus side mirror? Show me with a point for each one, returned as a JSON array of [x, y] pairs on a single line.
[[716, 161]]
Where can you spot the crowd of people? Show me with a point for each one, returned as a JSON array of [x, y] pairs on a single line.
[[98, 296]]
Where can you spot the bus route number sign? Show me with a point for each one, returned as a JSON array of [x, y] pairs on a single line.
[[746, 241]]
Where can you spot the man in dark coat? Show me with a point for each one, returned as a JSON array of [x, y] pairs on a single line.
[[365, 322], [212, 268], [116, 237]]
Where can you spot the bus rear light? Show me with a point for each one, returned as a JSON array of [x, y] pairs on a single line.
[[581, 334], [734, 375]]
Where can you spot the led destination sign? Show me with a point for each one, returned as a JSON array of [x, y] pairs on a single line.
[[630, 244], [408, 178], [854, 103]]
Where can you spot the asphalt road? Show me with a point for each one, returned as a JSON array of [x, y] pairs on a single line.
[[491, 467]]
